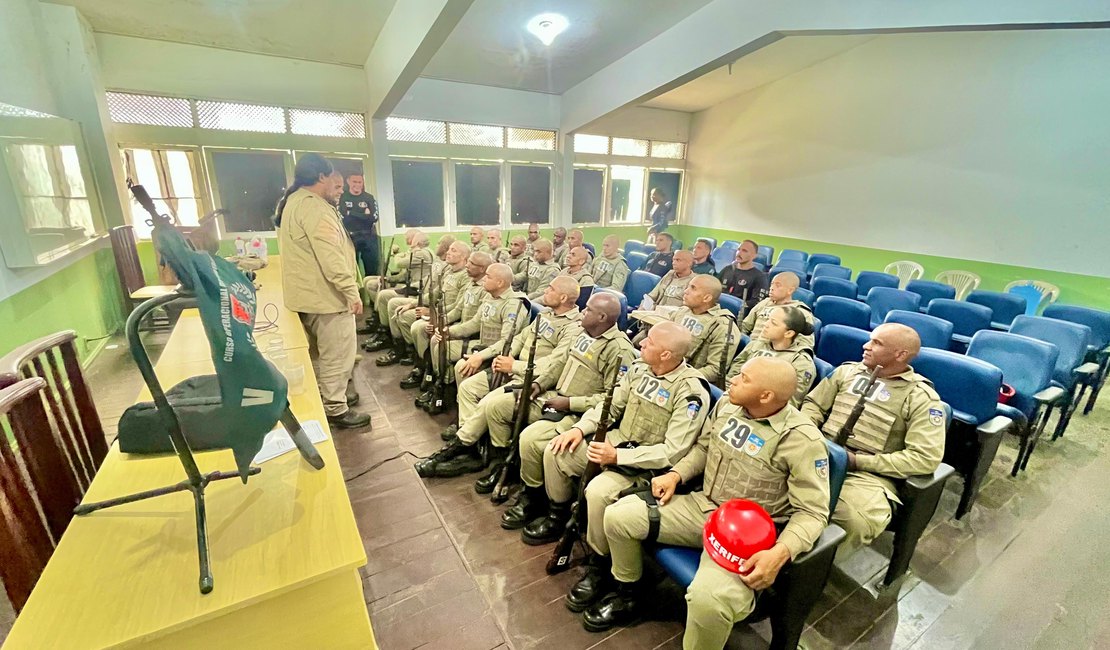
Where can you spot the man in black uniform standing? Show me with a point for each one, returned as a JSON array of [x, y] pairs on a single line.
[[360, 216]]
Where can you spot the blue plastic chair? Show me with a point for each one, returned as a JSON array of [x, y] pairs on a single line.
[[731, 243], [970, 387], [732, 303], [934, 332], [590, 247], [868, 280], [622, 322], [793, 254], [840, 343], [534, 307], [817, 325], [883, 300], [768, 253], [775, 270], [636, 260], [638, 285], [966, 319], [830, 286], [797, 266], [928, 290], [1099, 349], [633, 246], [804, 295], [1005, 307], [722, 257], [824, 370], [1027, 366], [821, 258], [829, 271], [1072, 373], [835, 310], [1035, 292], [762, 262]]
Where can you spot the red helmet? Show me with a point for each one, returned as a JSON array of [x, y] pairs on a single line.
[[736, 531]]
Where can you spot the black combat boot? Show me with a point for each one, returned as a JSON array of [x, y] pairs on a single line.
[[350, 420], [548, 529], [531, 506], [352, 393], [413, 379], [408, 354], [618, 607], [441, 400], [379, 342], [454, 459], [392, 357], [499, 457], [595, 582]]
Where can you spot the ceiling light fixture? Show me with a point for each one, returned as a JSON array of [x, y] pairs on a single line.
[[547, 26]]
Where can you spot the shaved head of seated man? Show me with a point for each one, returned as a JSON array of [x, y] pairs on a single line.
[[780, 294], [900, 434], [609, 269]]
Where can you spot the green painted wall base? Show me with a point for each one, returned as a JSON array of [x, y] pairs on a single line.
[[1075, 289]]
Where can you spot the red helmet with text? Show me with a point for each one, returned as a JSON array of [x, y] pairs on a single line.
[[736, 531]]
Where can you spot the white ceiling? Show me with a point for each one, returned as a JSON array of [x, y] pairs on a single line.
[[491, 46], [773, 62], [333, 31]]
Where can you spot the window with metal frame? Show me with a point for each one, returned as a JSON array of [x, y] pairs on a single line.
[[304, 121], [586, 143], [477, 194], [418, 193], [248, 184], [50, 183], [589, 195], [131, 108], [626, 195], [672, 150], [172, 178], [529, 194], [233, 116]]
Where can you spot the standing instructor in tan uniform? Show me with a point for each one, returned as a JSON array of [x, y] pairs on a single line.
[[319, 281]]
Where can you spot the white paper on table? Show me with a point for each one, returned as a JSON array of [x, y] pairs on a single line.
[[278, 442], [646, 303]]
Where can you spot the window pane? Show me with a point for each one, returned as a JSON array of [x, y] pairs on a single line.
[[345, 125], [477, 194], [146, 172], [249, 185], [626, 194], [227, 116], [531, 194], [538, 139], [179, 164], [418, 193], [476, 135], [403, 129], [675, 150], [629, 147], [589, 187], [73, 183], [148, 109], [584, 143], [669, 183]]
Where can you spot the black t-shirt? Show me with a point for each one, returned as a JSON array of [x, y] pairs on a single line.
[[705, 268], [659, 263], [735, 281], [359, 212]]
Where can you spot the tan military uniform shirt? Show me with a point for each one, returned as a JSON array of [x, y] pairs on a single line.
[[901, 431], [716, 337], [758, 315], [559, 253], [467, 302], [583, 276], [497, 321], [418, 264], [799, 356], [662, 415], [610, 273], [500, 255], [779, 462], [589, 367], [481, 247], [517, 265], [318, 271], [554, 330], [450, 283], [668, 293], [539, 276]]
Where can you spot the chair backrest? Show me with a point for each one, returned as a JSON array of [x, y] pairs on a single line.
[[830, 271], [804, 295], [817, 325], [822, 258], [868, 280], [1070, 338], [1005, 307], [712, 241], [837, 310], [722, 257], [762, 261], [934, 332], [884, 299], [636, 260], [590, 247], [715, 394], [838, 471], [677, 245], [793, 254], [928, 290], [768, 253], [966, 318], [1037, 293], [731, 303], [775, 270], [622, 322], [584, 296], [830, 286], [906, 270], [1096, 319], [639, 283], [731, 243], [840, 343], [1027, 364], [633, 246], [127, 259], [824, 369], [970, 386], [963, 281]]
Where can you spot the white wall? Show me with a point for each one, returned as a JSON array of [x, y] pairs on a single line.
[[24, 80], [161, 67], [452, 101], [642, 122], [990, 146]]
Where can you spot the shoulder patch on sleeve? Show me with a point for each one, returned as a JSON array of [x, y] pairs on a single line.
[[936, 416], [821, 466], [693, 405]]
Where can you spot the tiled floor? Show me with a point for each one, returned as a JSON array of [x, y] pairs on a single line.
[[1028, 567]]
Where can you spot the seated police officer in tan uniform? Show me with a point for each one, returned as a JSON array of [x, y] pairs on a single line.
[[497, 251], [478, 240], [518, 257], [780, 339], [539, 272], [577, 268], [780, 294], [754, 446], [668, 293], [900, 434], [609, 269]]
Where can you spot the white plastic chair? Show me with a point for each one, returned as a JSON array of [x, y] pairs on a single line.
[[1037, 294], [906, 270], [963, 281]]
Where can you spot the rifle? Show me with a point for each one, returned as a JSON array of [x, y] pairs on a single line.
[[440, 385], [498, 379], [725, 358], [385, 263], [560, 559], [857, 410], [520, 420]]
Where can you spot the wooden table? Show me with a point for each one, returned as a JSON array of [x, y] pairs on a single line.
[[285, 554]]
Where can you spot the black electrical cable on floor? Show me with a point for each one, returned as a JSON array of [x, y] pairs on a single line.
[[380, 463]]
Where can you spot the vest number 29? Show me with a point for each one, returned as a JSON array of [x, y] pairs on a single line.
[[735, 433]]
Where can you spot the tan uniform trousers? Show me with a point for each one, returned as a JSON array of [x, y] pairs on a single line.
[[533, 442], [381, 304], [863, 511], [717, 599], [419, 336], [396, 325], [471, 391], [494, 413], [559, 469], [408, 323], [454, 354], [332, 345]]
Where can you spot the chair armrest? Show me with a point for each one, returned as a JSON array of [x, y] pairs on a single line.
[[926, 481], [1049, 395], [829, 540], [994, 426], [1087, 370], [1000, 326]]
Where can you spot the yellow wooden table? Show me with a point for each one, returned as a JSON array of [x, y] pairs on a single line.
[[285, 554]]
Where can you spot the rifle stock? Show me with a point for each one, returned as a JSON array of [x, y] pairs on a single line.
[[498, 379], [857, 410], [520, 420]]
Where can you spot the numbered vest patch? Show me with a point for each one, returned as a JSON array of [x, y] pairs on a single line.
[[583, 343], [649, 390], [878, 392], [693, 325], [735, 433]]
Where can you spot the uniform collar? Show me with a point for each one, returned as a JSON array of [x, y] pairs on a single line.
[[674, 374], [905, 375], [780, 421], [572, 314]]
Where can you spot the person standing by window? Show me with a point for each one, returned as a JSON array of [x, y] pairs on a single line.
[[359, 210], [662, 211]]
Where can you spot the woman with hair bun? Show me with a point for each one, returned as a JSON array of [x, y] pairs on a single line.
[[781, 338]]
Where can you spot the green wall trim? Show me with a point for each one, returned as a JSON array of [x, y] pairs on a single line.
[[1075, 288], [84, 296]]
